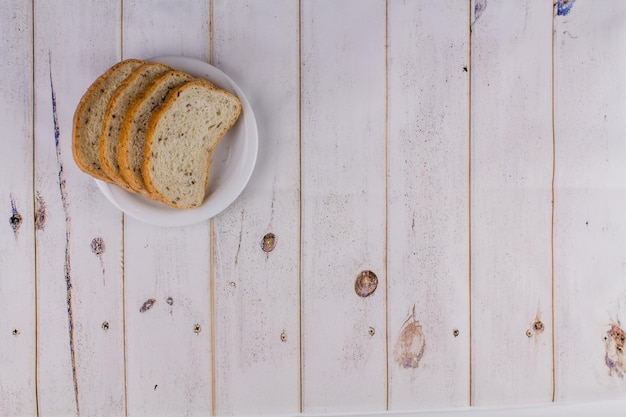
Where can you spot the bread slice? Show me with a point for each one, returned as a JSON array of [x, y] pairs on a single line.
[[87, 124], [130, 150], [116, 109], [182, 135]]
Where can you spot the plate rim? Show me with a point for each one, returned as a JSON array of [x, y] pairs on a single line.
[[185, 217]]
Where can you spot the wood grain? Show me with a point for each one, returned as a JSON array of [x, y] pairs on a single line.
[[17, 246], [468, 154], [428, 202], [167, 270], [343, 205], [257, 239], [168, 325], [79, 285], [590, 201], [511, 177]]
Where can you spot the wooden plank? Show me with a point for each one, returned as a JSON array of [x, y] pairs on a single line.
[[343, 205], [17, 246], [590, 199], [168, 327], [79, 276], [257, 288], [428, 204], [613, 408], [511, 176], [168, 340]]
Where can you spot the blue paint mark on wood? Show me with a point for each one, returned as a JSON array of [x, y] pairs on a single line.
[[563, 7], [67, 270], [479, 8]]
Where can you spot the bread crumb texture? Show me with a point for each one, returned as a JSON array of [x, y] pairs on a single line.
[[181, 138]]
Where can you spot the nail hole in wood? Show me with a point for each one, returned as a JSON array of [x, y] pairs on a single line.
[[455, 332], [283, 337], [371, 331], [365, 284], [529, 333], [15, 332], [197, 328], [105, 325]]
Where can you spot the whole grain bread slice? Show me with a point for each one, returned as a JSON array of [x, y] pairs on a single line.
[[130, 151], [182, 135], [87, 123], [115, 113]]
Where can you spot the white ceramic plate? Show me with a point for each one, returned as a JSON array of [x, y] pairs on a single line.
[[231, 168]]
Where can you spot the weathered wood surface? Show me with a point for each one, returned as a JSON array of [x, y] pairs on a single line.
[[17, 245], [469, 155], [167, 285], [256, 242], [80, 365], [511, 194], [428, 203], [590, 200], [343, 205]]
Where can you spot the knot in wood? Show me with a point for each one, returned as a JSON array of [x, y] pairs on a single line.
[[97, 246], [147, 305], [15, 221], [268, 243], [365, 284]]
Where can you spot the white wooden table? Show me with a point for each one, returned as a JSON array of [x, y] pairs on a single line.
[[469, 154]]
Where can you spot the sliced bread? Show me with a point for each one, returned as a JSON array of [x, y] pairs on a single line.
[[87, 124], [130, 151], [114, 115], [182, 135]]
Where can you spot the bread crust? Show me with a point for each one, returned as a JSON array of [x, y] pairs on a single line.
[[154, 120], [107, 166], [83, 165]]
